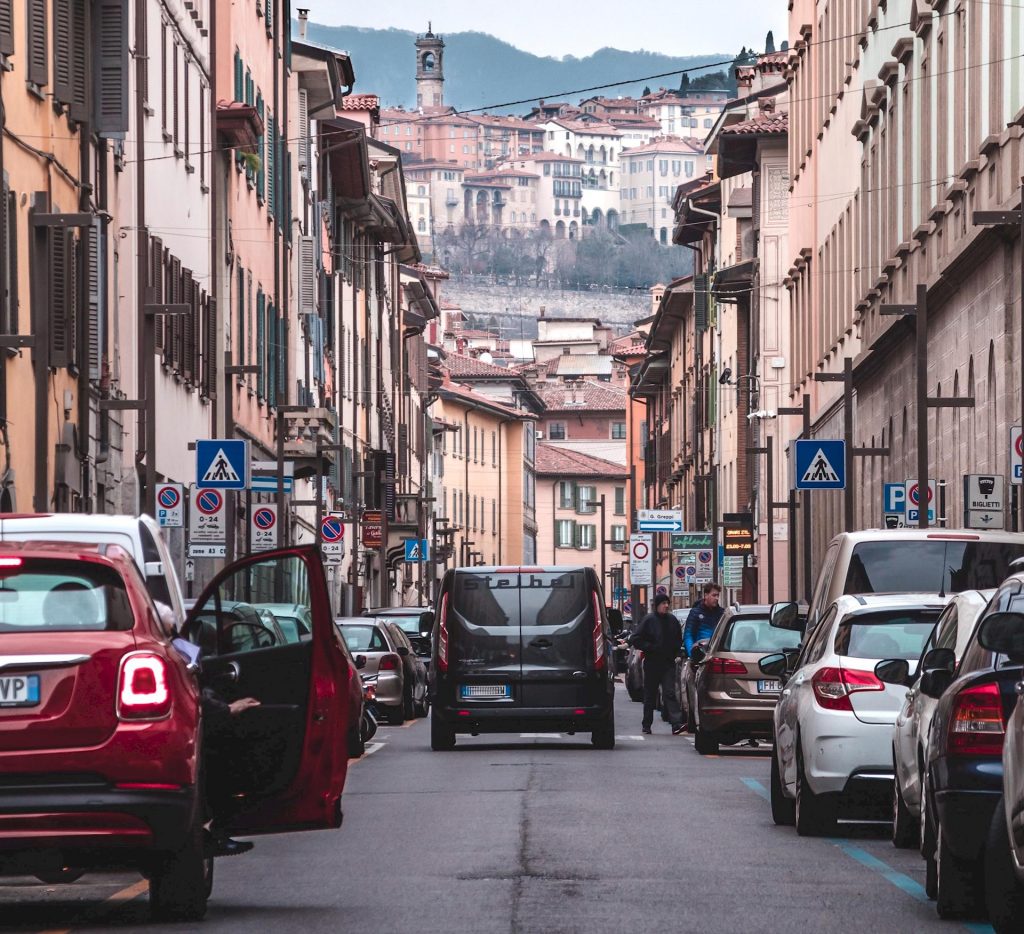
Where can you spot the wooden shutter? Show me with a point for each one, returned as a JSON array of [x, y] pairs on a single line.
[[6, 27], [186, 117], [81, 44], [156, 284], [241, 343], [61, 333], [304, 134], [238, 75], [10, 258], [6, 216], [307, 276], [261, 173], [211, 348], [175, 94], [35, 30], [188, 326], [175, 320], [63, 41], [110, 67], [700, 301], [281, 364], [271, 172], [268, 16], [261, 339], [95, 318]]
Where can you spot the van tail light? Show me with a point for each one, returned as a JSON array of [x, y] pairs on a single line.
[[726, 666], [976, 726], [442, 636], [389, 663], [599, 659], [142, 692], [833, 686]]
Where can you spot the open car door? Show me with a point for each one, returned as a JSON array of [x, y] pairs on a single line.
[[280, 766]]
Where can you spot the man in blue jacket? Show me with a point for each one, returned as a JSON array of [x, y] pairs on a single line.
[[704, 617]]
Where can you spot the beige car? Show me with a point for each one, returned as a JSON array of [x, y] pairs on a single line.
[[730, 699]]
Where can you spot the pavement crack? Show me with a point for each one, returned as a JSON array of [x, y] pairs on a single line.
[[523, 868]]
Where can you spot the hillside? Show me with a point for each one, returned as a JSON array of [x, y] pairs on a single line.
[[481, 71]]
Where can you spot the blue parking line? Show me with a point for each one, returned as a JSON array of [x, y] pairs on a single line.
[[902, 881]]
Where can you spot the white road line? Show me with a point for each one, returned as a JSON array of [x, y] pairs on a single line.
[[540, 735], [638, 739], [371, 748]]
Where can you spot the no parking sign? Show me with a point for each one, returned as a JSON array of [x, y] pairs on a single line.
[[170, 505], [264, 527]]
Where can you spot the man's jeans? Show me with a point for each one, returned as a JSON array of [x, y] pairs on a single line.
[[659, 674]]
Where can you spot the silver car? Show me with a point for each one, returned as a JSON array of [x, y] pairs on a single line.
[[401, 676], [910, 735]]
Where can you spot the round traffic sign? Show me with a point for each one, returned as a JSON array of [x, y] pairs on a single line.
[[1019, 445], [915, 494], [169, 497], [209, 502], [627, 606], [680, 572], [704, 557], [332, 529], [264, 519], [691, 571], [661, 589], [641, 550]]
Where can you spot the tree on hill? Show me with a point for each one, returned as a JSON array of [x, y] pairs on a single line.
[[684, 85]]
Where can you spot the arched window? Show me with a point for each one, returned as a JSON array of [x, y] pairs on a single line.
[[428, 61], [422, 225]]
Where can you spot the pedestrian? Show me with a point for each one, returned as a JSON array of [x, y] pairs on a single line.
[[660, 638], [703, 618]]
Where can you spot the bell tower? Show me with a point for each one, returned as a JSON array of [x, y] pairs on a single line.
[[429, 70]]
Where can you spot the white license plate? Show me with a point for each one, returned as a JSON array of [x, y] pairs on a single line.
[[769, 687], [19, 690], [485, 691]]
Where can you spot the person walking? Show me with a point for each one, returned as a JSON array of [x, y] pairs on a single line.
[[660, 638], [703, 618]]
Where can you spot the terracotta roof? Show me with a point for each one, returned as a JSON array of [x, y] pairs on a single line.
[[582, 127], [476, 334], [765, 124], [554, 460], [589, 396], [465, 394], [667, 144], [462, 365], [544, 157], [360, 102], [630, 343]]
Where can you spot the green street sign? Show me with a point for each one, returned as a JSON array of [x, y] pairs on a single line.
[[691, 541]]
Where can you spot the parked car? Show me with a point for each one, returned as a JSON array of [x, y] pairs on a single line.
[[140, 536], [731, 699], [962, 777], [912, 561], [401, 692], [521, 649], [833, 723], [909, 739], [1003, 633], [686, 675], [101, 733], [415, 621], [293, 618], [243, 625]]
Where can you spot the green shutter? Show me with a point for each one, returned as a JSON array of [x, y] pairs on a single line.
[[268, 14], [261, 333], [281, 368], [242, 348], [271, 170], [238, 76], [700, 301], [261, 172]]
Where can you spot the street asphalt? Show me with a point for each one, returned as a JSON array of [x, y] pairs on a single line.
[[536, 834]]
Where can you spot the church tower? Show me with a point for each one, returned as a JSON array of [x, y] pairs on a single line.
[[429, 70]]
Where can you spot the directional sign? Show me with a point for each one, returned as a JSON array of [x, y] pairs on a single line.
[[332, 535], [207, 524], [984, 498], [913, 501], [416, 549], [819, 464], [263, 477], [659, 520], [640, 570], [263, 533], [190, 570], [1016, 454], [691, 540], [222, 464], [170, 505]]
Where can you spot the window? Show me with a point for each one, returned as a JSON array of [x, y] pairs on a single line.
[[586, 500], [618, 539], [620, 500], [586, 537], [565, 533], [566, 494], [556, 431], [618, 431]]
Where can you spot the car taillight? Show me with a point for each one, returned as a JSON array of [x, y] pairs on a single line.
[[833, 686], [442, 636], [142, 692], [726, 666], [388, 663], [976, 725], [598, 634]]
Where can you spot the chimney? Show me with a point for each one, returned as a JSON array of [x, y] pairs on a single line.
[[303, 19], [542, 310]]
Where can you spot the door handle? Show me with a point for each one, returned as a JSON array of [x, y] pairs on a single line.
[[542, 643]]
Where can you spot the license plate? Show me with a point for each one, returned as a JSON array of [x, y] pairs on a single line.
[[19, 690], [769, 687], [488, 691]]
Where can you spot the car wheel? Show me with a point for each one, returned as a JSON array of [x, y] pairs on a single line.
[[408, 705], [783, 808], [1004, 895], [442, 736], [705, 743], [959, 892], [180, 884], [356, 746], [904, 828], [604, 736], [422, 708], [931, 877], [63, 876], [814, 815], [396, 715]]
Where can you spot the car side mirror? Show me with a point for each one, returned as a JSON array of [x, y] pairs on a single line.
[[939, 658], [402, 650], [935, 681], [699, 652], [775, 665], [894, 671], [360, 661], [1003, 633], [426, 623], [787, 616], [615, 622]]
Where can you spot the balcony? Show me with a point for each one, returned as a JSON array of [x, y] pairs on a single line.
[[575, 212], [451, 201]]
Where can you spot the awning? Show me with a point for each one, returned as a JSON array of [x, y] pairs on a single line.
[[733, 281], [343, 143], [650, 376], [238, 125]]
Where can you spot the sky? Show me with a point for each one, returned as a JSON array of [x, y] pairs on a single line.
[[574, 27]]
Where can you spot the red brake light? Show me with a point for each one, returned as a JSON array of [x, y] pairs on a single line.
[[6, 562], [389, 663], [833, 686], [976, 725], [726, 666], [142, 692], [442, 636], [598, 633]]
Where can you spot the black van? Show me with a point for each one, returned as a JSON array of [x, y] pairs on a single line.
[[519, 648]]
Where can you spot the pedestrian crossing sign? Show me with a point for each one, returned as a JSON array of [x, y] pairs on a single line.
[[222, 464], [819, 464], [416, 549]]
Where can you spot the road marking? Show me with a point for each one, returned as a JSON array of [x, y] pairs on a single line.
[[125, 895], [540, 735], [755, 786], [638, 739], [370, 749]]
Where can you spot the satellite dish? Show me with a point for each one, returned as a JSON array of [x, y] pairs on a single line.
[[486, 357]]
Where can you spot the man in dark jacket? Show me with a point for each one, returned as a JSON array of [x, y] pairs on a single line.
[[704, 617], [660, 638]]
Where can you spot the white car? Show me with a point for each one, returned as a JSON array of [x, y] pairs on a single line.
[[910, 735], [833, 723]]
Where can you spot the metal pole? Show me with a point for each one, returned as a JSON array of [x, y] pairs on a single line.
[[603, 556], [921, 321], [231, 501], [1020, 356], [318, 493], [792, 546], [282, 524], [848, 492], [769, 443], [805, 506]]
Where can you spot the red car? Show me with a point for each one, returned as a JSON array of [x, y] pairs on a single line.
[[105, 760]]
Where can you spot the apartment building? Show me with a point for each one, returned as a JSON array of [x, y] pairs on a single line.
[[650, 176]]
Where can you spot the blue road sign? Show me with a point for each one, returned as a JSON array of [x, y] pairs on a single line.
[[269, 484], [416, 549], [658, 525], [820, 464], [894, 498], [222, 464]]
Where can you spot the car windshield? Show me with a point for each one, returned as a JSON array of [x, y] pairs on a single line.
[[755, 634], [929, 566], [892, 634], [40, 595], [408, 624], [364, 638]]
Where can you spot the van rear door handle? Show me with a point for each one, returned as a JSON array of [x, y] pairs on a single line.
[[542, 643]]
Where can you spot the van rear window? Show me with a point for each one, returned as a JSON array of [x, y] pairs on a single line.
[[929, 566], [42, 595], [532, 598]]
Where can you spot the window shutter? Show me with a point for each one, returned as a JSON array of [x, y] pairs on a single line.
[[35, 29], [238, 76], [176, 323], [210, 348], [700, 301], [6, 264], [271, 146], [304, 134], [96, 336], [156, 280], [62, 45], [6, 27], [241, 345], [268, 15], [261, 353], [60, 332], [281, 349], [307, 276], [188, 326], [80, 45], [261, 173], [110, 76], [318, 348]]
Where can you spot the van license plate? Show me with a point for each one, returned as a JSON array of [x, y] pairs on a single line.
[[485, 691], [769, 687], [19, 690]]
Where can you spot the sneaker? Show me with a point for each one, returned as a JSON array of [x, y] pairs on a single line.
[[676, 730], [220, 844], [646, 730]]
